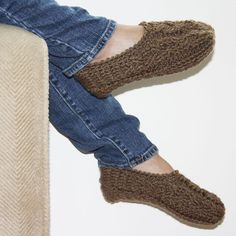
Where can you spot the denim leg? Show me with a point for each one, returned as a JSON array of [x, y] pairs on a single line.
[[93, 125], [73, 36]]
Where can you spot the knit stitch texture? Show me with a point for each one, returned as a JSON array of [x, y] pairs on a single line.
[[166, 47], [170, 191]]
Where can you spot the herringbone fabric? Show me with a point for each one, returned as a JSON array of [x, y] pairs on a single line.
[[24, 166]]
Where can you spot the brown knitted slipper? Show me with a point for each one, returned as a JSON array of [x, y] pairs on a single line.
[[166, 47], [171, 192]]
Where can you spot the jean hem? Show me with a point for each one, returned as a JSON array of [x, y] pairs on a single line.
[[88, 56], [151, 151]]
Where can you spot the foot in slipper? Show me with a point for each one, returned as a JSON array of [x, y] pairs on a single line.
[[163, 48], [171, 192]]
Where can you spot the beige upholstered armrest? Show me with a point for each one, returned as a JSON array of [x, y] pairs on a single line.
[[24, 123]]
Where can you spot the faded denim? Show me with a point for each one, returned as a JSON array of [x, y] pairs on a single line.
[[74, 37]]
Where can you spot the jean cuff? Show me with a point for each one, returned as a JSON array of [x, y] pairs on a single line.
[[88, 56], [151, 151], [148, 154]]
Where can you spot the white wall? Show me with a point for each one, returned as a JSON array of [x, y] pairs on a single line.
[[192, 121]]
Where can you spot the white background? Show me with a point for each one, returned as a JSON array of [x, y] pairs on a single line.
[[191, 120]]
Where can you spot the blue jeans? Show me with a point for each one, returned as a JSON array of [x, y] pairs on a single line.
[[74, 37]]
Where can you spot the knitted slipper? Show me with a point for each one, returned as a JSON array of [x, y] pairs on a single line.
[[166, 47], [171, 192]]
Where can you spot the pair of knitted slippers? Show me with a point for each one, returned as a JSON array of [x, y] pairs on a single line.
[[166, 47], [171, 192]]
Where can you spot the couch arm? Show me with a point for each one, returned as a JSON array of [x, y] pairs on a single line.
[[24, 126]]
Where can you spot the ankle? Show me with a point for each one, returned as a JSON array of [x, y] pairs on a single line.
[[156, 164], [123, 37]]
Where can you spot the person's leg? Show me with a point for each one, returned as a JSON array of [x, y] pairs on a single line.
[[135, 52], [73, 36], [93, 125], [98, 126]]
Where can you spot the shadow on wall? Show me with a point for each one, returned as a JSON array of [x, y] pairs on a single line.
[[164, 79]]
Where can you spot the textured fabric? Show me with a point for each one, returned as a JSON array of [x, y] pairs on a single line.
[[165, 48], [172, 192], [24, 167]]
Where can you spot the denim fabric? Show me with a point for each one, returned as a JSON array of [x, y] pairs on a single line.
[[74, 37]]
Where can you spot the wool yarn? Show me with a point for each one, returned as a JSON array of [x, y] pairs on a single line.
[[172, 192], [166, 47]]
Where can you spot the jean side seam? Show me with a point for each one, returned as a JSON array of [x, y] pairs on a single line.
[[72, 109], [111, 25], [37, 32], [112, 139], [88, 56], [149, 153], [83, 60], [87, 126], [20, 22]]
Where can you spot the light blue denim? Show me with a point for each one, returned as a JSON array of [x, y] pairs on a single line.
[[74, 37]]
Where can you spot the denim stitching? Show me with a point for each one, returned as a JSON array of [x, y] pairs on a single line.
[[60, 93], [62, 42], [79, 64], [84, 60], [109, 29], [98, 134], [69, 71], [22, 23], [28, 27], [145, 156], [86, 121], [121, 145], [102, 163], [137, 160]]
